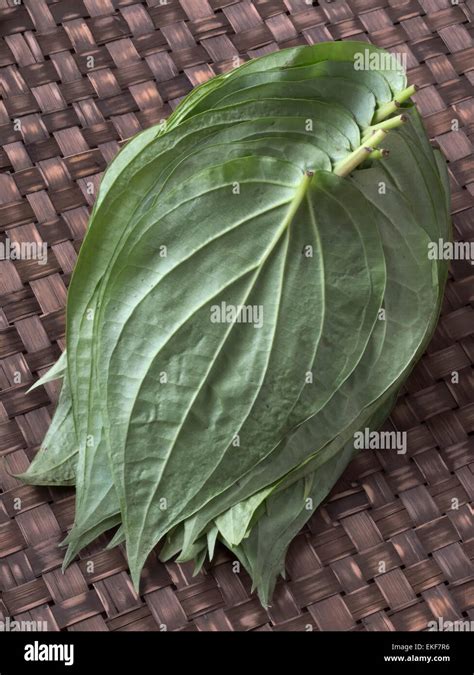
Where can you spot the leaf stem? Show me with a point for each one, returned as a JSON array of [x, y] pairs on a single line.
[[386, 125], [379, 153], [377, 137], [360, 154], [405, 94], [392, 106], [347, 165]]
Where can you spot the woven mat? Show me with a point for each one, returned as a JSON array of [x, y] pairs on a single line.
[[392, 548]]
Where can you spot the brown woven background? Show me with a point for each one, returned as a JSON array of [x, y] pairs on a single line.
[[392, 508]]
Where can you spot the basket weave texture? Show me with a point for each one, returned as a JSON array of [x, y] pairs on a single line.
[[393, 546]]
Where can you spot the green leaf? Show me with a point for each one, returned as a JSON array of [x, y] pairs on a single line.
[[179, 421], [56, 372], [86, 293], [286, 224], [410, 304], [233, 524], [55, 462], [211, 541], [344, 122]]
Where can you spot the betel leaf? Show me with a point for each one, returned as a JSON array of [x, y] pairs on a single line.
[[335, 114], [320, 133], [264, 550], [409, 307], [234, 523], [290, 57], [260, 192], [56, 372], [272, 359], [55, 463], [332, 53], [141, 140], [120, 169], [309, 138], [102, 244]]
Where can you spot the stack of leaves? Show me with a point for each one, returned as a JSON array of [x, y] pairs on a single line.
[[267, 192]]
